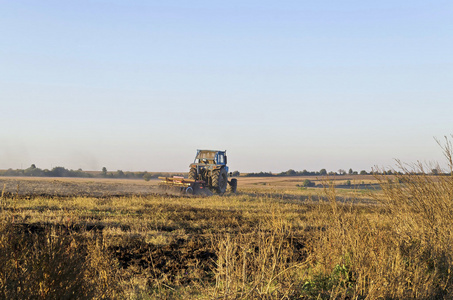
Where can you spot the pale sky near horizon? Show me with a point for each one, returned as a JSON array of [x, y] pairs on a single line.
[[140, 85]]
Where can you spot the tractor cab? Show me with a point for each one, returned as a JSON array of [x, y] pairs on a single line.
[[211, 157]]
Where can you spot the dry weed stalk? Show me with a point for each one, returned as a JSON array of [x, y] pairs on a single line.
[[52, 263], [258, 264], [402, 248]]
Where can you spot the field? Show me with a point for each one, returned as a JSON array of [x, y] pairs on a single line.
[[356, 237]]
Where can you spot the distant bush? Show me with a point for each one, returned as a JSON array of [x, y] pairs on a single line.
[[308, 183]]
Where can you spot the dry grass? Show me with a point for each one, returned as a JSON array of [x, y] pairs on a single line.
[[269, 241], [53, 263]]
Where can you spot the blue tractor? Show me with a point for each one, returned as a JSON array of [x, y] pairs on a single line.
[[210, 166]]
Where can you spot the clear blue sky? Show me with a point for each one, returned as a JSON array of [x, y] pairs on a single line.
[[140, 85]]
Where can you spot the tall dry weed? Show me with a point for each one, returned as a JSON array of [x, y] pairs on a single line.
[[399, 249], [48, 262], [419, 204], [258, 264]]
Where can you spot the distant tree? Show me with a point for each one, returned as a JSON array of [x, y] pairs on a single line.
[[236, 173], [260, 174], [363, 172], [290, 172], [104, 171], [350, 172], [434, 171], [33, 171], [147, 176], [120, 174], [323, 172], [304, 173], [341, 172], [59, 172], [10, 172]]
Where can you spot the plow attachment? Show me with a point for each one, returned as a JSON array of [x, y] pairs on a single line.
[[181, 185]]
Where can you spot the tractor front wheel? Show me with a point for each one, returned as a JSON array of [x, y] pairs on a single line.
[[193, 173], [219, 180]]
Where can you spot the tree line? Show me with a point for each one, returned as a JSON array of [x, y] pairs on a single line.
[[34, 171], [323, 172], [104, 173]]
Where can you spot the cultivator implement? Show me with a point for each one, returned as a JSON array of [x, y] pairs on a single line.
[[181, 185]]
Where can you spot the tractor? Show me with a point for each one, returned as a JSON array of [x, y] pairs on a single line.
[[208, 171], [210, 166]]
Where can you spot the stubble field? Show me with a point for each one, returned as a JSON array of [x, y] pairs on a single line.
[[384, 237]]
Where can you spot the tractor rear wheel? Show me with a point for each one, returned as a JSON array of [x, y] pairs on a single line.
[[193, 173], [233, 185], [219, 180]]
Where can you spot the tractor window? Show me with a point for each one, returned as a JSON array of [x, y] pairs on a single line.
[[221, 159], [208, 155], [205, 156]]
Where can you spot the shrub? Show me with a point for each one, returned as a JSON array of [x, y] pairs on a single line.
[[308, 183]]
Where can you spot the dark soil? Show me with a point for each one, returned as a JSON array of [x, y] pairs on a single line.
[[180, 262]]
